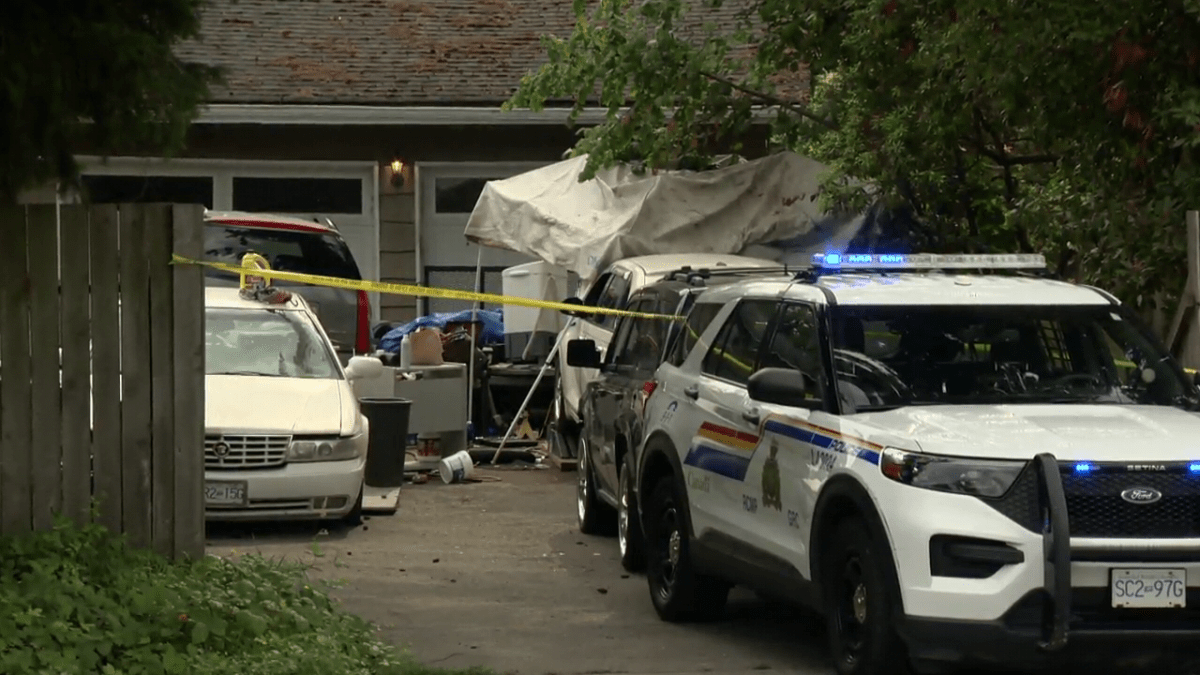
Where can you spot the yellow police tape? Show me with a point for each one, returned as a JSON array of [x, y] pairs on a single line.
[[410, 289]]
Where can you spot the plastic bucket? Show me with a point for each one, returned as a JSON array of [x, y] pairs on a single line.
[[456, 468]]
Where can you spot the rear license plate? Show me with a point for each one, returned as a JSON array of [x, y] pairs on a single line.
[[231, 493], [1149, 588]]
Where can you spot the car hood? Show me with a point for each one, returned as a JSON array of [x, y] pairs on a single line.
[[277, 405], [1102, 433]]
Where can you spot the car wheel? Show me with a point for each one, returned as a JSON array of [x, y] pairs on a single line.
[[678, 592], [629, 529], [858, 604], [595, 517], [355, 517]]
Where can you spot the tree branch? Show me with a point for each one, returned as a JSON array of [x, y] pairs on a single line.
[[771, 100]]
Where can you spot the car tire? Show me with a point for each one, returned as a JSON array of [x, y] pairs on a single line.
[[355, 517], [629, 527], [595, 517], [678, 591], [858, 603]]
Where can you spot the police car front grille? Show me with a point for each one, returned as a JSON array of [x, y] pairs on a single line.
[[1095, 507], [245, 452]]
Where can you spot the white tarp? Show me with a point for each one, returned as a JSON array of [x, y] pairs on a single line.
[[547, 213]]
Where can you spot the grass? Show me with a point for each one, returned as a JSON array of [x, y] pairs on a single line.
[[78, 600]]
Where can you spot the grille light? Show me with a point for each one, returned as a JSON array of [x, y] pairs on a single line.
[[1083, 467]]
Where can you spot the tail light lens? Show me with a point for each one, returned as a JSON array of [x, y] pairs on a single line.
[[362, 341]]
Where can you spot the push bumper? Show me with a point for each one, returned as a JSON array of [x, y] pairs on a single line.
[[1058, 624], [297, 491]]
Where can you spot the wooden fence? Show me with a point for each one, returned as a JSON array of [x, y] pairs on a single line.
[[102, 371]]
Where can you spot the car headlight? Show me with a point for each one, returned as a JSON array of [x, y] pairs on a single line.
[[325, 450], [961, 475]]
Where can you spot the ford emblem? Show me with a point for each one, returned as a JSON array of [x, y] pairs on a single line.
[[1141, 495]]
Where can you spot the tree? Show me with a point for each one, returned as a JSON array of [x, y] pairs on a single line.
[[96, 73], [1050, 125]]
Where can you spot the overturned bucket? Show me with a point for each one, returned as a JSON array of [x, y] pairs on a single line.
[[457, 467]]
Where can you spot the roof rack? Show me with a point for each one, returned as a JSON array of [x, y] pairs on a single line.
[[833, 263], [693, 276]]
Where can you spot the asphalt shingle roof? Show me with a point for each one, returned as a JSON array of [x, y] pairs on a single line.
[[380, 52]]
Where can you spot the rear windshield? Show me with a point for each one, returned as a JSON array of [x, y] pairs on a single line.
[[286, 250]]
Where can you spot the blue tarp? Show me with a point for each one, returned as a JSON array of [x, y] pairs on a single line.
[[492, 320]]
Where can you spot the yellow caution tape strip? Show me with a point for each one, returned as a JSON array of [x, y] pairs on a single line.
[[413, 290]]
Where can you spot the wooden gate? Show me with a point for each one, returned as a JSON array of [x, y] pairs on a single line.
[[102, 371]]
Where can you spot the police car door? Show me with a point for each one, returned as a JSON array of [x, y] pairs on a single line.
[[726, 431], [790, 461]]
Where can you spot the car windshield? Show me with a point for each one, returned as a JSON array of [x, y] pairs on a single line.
[[305, 252], [891, 356], [266, 342]]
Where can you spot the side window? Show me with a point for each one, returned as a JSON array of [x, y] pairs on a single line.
[[698, 319], [643, 339], [613, 297], [592, 299], [795, 345], [735, 351]]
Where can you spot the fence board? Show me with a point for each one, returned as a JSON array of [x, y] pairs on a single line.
[[106, 365], [76, 368], [159, 235], [46, 445], [136, 432], [189, 383], [16, 402]]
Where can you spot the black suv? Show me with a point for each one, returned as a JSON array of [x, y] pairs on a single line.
[[611, 406]]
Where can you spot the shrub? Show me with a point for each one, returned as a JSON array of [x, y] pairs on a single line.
[[79, 600]]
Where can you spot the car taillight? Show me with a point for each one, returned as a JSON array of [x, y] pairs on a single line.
[[362, 341]]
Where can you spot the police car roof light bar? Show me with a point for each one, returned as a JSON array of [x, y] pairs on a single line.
[[928, 261]]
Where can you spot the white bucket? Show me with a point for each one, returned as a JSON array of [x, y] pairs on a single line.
[[456, 468]]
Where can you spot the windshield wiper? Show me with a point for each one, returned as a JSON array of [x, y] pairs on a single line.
[[254, 373]]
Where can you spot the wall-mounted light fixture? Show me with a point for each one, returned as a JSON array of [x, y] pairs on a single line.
[[397, 172]]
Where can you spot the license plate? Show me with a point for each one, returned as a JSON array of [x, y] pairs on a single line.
[[1149, 588], [225, 493]]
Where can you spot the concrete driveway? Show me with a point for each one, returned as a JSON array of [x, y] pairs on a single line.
[[496, 574]]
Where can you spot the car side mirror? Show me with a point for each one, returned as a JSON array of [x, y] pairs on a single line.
[[583, 354], [781, 386], [363, 368], [581, 313]]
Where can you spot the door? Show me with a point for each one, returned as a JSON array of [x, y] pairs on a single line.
[[610, 290], [607, 397], [727, 434], [793, 455]]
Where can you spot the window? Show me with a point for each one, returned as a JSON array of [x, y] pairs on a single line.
[[272, 343], [285, 250], [457, 195], [609, 291], [795, 345], [298, 195], [698, 319], [640, 342], [735, 351], [100, 189]]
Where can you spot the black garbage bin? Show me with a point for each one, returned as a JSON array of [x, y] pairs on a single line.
[[388, 440]]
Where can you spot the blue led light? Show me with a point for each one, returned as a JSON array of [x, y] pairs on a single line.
[[916, 261], [1083, 467], [1194, 468], [858, 259], [833, 259]]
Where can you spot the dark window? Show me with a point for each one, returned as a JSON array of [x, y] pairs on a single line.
[[457, 195], [641, 344], [697, 322], [795, 344], [735, 351], [320, 253], [148, 189], [613, 297], [297, 195]]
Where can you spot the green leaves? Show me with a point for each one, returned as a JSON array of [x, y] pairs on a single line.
[[1048, 125], [78, 601]]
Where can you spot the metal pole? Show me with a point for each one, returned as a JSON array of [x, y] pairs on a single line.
[[471, 352], [532, 389]]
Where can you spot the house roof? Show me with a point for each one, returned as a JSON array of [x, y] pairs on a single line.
[[381, 52]]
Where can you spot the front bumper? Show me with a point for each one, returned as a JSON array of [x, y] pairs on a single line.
[[296, 491], [1051, 603]]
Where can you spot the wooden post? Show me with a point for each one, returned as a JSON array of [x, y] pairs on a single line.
[[106, 365], [136, 432], [46, 440], [159, 237], [16, 395], [189, 382], [76, 364]]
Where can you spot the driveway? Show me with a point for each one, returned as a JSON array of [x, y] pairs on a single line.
[[496, 574]]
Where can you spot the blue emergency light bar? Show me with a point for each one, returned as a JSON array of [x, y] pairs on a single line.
[[928, 261]]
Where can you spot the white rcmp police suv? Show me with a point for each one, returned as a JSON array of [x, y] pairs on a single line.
[[951, 467]]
